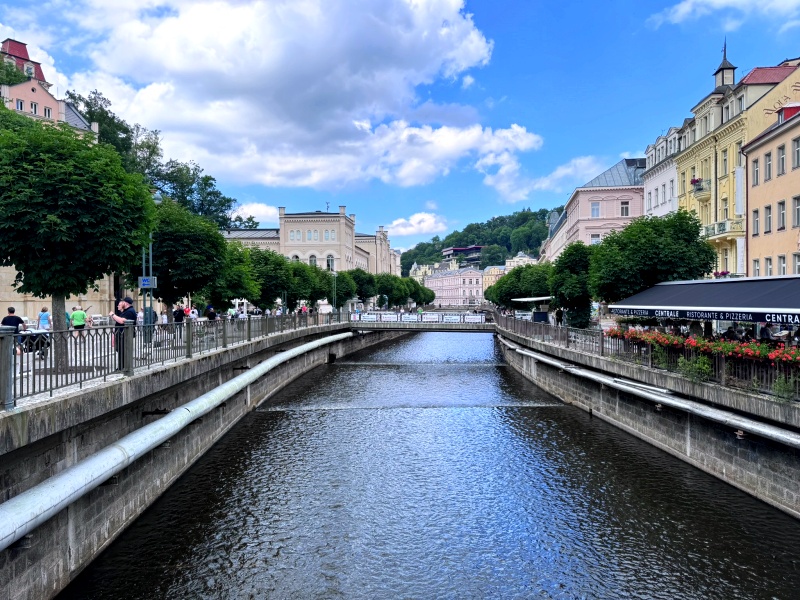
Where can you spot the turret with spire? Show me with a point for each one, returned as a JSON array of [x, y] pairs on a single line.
[[724, 75]]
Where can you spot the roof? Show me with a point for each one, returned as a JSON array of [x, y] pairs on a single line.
[[19, 52], [74, 118], [249, 234], [765, 75], [626, 173], [747, 299]]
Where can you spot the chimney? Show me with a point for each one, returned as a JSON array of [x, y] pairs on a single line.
[[380, 228], [353, 217], [281, 211], [342, 209]]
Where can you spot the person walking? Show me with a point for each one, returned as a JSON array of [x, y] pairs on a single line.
[[125, 312], [78, 321], [44, 320], [12, 320], [178, 315], [559, 317]]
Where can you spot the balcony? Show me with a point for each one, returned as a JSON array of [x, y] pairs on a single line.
[[724, 230], [701, 189]]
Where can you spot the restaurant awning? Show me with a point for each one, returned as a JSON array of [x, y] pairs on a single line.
[[749, 299], [537, 299]]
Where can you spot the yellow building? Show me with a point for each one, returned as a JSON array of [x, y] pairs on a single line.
[[710, 165], [774, 196], [492, 274]]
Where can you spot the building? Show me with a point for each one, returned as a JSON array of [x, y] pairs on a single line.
[[711, 169], [324, 239], [607, 202], [661, 177], [419, 272], [520, 260], [460, 288], [469, 256], [773, 242], [492, 274]]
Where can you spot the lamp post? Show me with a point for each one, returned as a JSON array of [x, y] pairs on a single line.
[[147, 281]]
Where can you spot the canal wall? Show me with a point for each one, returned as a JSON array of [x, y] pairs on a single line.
[[760, 465], [45, 438]]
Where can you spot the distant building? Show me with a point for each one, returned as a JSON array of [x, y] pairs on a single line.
[[468, 256], [606, 203], [419, 272], [661, 177], [460, 288], [520, 260], [324, 239], [492, 274]]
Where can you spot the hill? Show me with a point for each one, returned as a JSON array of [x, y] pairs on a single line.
[[524, 231]]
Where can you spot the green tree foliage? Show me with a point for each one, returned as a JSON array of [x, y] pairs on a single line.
[[188, 252], [528, 281], [69, 212], [569, 283], [522, 231], [397, 290], [304, 284], [365, 285], [236, 279], [114, 131], [648, 251], [493, 255], [186, 185], [11, 75], [272, 275], [345, 287]]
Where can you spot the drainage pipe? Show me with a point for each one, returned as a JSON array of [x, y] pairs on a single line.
[[770, 432], [25, 512]]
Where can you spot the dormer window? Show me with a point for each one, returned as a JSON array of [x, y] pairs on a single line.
[[780, 116], [29, 70]]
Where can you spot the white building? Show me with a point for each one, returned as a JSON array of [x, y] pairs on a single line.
[[460, 288], [661, 177]]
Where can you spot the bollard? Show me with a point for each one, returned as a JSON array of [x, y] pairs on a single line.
[[7, 367], [189, 335], [249, 329], [127, 341], [224, 324]]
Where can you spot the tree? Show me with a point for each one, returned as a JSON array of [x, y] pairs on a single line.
[[648, 251], [272, 275], [186, 185], [10, 74], [69, 212], [304, 284], [569, 283], [345, 287], [188, 252], [96, 108], [365, 285], [493, 255], [236, 279]]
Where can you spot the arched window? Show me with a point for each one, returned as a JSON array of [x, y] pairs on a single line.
[[308, 235], [316, 235], [331, 263], [291, 235], [312, 260], [297, 235], [295, 258], [333, 234], [327, 235]]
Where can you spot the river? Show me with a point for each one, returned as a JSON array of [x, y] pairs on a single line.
[[427, 468]]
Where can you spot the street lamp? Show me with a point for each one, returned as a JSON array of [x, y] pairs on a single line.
[[147, 281]]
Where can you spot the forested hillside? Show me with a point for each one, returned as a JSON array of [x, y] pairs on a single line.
[[524, 231]]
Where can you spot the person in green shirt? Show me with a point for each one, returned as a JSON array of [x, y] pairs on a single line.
[[78, 319]]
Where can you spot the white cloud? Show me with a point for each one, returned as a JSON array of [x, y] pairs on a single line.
[[418, 223], [263, 213], [467, 81], [687, 10], [637, 154], [431, 205]]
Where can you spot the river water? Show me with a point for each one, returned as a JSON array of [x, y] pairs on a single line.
[[429, 469]]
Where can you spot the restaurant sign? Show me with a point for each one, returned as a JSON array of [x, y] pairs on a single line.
[[708, 315]]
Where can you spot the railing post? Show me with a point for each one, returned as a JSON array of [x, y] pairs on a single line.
[[189, 336], [127, 348], [602, 342], [650, 355], [249, 329], [224, 324], [566, 336], [7, 366]]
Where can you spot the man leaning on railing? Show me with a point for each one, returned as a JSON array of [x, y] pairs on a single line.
[[126, 313]]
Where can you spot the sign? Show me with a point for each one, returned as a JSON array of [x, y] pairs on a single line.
[[430, 318], [354, 316], [709, 315], [146, 283], [409, 318], [389, 317], [370, 318], [473, 318], [452, 319]]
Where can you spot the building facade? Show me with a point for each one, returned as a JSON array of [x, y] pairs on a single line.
[[324, 239], [461, 288], [520, 260], [606, 203], [774, 202], [419, 272], [660, 180], [492, 274]]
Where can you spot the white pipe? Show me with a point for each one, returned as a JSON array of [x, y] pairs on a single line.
[[764, 430], [25, 512]]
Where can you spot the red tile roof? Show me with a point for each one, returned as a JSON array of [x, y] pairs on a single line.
[[761, 75], [19, 52]]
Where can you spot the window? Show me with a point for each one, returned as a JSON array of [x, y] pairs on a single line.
[[725, 256], [48, 113], [768, 266], [34, 108], [741, 103], [796, 153], [755, 172], [796, 261], [767, 219], [725, 209], [595, 210], [671, 189], [683, 182], [727, 113], [308, 235], [291, 235], [295, 258], [781, 160], [768, 166], [327, 235], [724, 162], [316, 235], [594, 239], [796, 211], [781, 215], [755, 222], [655, 197], [20, 105], [781, 265], [756, 267], [333, 235], [331, 262], [649, 200], [463, 282], [663, 193], [312, 260]]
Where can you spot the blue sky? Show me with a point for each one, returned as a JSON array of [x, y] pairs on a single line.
[[422, 116]]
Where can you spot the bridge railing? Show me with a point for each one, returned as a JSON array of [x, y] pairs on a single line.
[[423, 317], [36, 361]]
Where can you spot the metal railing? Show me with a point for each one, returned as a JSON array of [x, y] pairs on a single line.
[[39, 361]]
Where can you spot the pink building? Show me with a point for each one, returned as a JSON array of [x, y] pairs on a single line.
[[607, 202], [462, 287]]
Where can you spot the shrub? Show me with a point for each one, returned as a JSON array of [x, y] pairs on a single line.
[[784, 388], [695, 369]]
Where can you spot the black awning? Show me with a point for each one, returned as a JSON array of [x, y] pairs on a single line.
[[749, 299]]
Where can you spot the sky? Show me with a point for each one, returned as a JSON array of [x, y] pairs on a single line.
[[419, 115]]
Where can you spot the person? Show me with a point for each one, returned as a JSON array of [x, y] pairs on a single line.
[[211, 314], [140, 318], [178, 315], [164, 319], [125, 312], [78, 320], [12, 320], [559, 317], [766, 332], [44, 320], [749, 335], [730, 334], [194, 313]]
